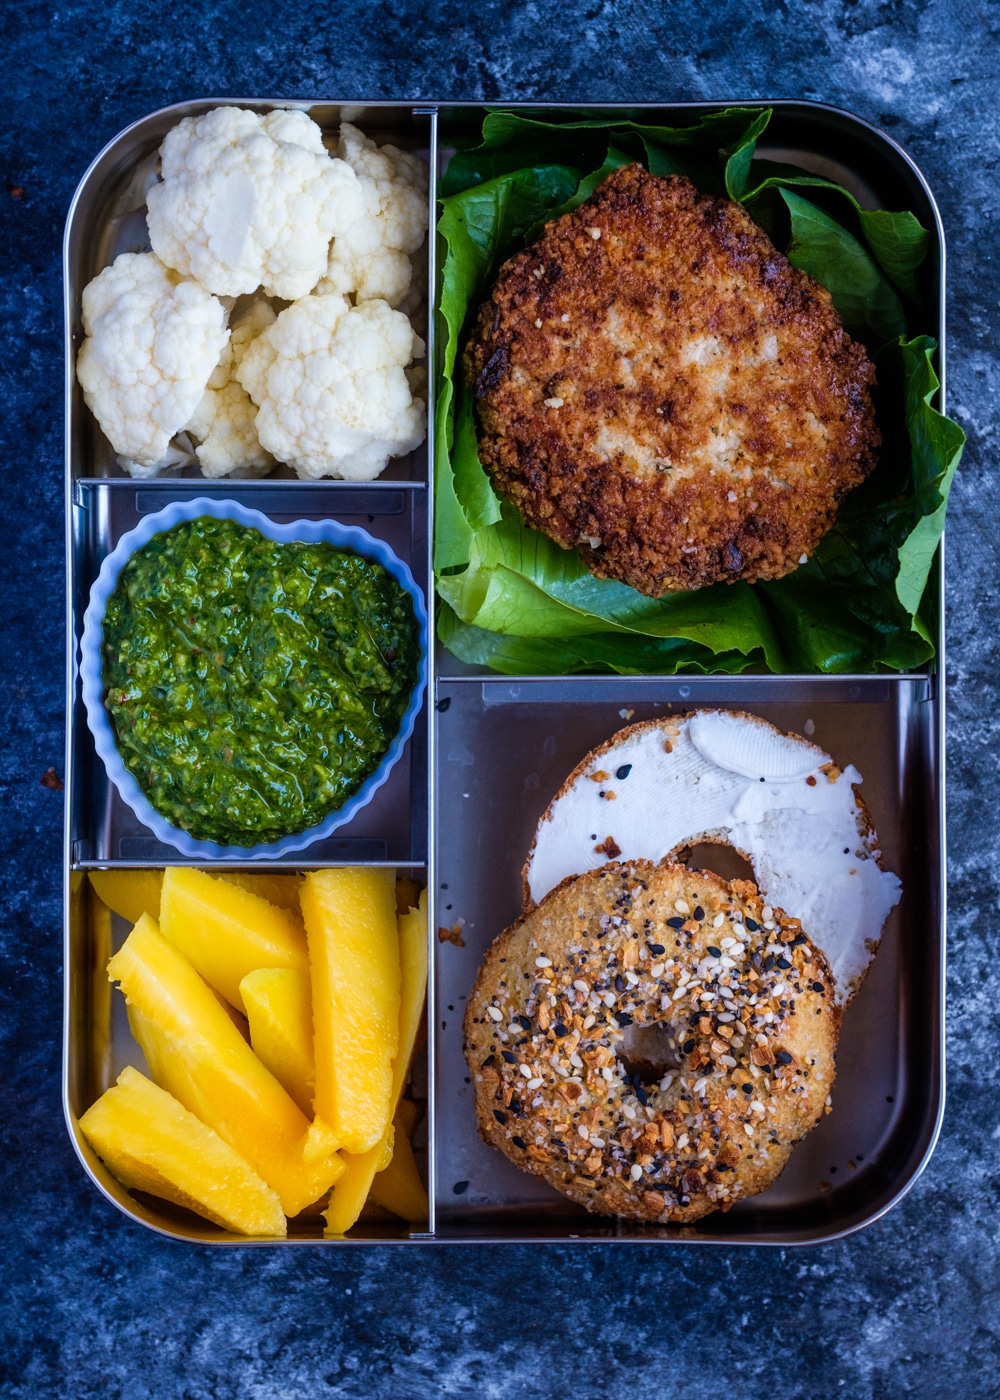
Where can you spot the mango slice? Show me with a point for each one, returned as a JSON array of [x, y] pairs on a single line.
[[227, 932], [350, 917], [152, 1143], [351, 1192], [130, 893], [195, 1052], [280, 890], [278, 1003], [399, 1187]]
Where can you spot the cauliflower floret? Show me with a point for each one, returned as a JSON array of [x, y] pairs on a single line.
[[330, 383], [224, 423], [153, 340], [249, 201], [371, 257]]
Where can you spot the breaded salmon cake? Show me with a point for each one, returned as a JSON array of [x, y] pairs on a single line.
[[642, 1042], [657, 386]]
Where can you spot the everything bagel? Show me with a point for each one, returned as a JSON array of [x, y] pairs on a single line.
[[652, 1041]]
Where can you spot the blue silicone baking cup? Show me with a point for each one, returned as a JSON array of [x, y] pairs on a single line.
[[346, 537]]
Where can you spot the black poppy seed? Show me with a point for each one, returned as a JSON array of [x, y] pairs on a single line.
[[460, 1188], [623, 771], [593, 836], [783, 963], [675, 923], [818, 987], [715, 952], [751, 925], [687, 1047], [560, 1029], [783, 1057], [511, 1059], [699, 913], [500, 1116], [623, 1018], [519, 1142], [747, 1089], [847, 850]]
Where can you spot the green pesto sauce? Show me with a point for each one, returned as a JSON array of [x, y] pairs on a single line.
[[254, 685]]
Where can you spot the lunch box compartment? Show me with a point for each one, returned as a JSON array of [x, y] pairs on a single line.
[[393, 827], [108, 217], [100, 1045], [504, 749]]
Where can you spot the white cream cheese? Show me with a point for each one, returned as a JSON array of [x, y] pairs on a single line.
[[736, 779]]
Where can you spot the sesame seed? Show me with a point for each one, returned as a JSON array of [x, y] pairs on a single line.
[[536, 1083], [748, 1129], [564, 316], [635, 1171], [682, 906], [589, 1021], [543, 961], [595, 233], [718, 921], [494, 1013], [682, 1141], [554, 403], [538, 323], [584, 1131], [581, 986]]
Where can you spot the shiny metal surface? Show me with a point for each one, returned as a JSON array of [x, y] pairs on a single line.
[[495, 750]]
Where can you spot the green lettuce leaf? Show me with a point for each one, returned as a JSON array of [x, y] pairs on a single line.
[[863, 296], [557, 656]]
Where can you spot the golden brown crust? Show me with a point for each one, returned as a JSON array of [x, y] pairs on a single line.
[[640, 945], [657, 386]]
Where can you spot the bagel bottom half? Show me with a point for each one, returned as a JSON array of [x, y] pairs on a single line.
[[652, 1041]]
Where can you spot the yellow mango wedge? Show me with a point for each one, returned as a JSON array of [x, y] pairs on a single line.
[[351, 1192], [350, 917], [195, 1052], [152, 1143], [130, 893], [278, 1003], [399, 1187], [280, 890], [226, 932]]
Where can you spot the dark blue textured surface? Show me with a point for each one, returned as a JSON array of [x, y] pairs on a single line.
[[94, 1306]]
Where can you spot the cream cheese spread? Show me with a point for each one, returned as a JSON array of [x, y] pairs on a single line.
[[733, 778]]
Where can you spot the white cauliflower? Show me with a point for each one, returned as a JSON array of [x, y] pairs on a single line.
[[224, 423], [250, 202], [370, 258], [330, 383], [153, 340]]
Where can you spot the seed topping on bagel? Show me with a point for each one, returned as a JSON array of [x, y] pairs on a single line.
[[652, 1040]]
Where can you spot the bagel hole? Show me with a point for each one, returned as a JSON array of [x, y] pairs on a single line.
[[722, 860], [649, 1052]]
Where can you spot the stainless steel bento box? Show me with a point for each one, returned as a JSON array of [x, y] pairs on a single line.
[[487, 754]]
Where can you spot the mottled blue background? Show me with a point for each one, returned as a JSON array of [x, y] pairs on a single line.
[[94, 1306]]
